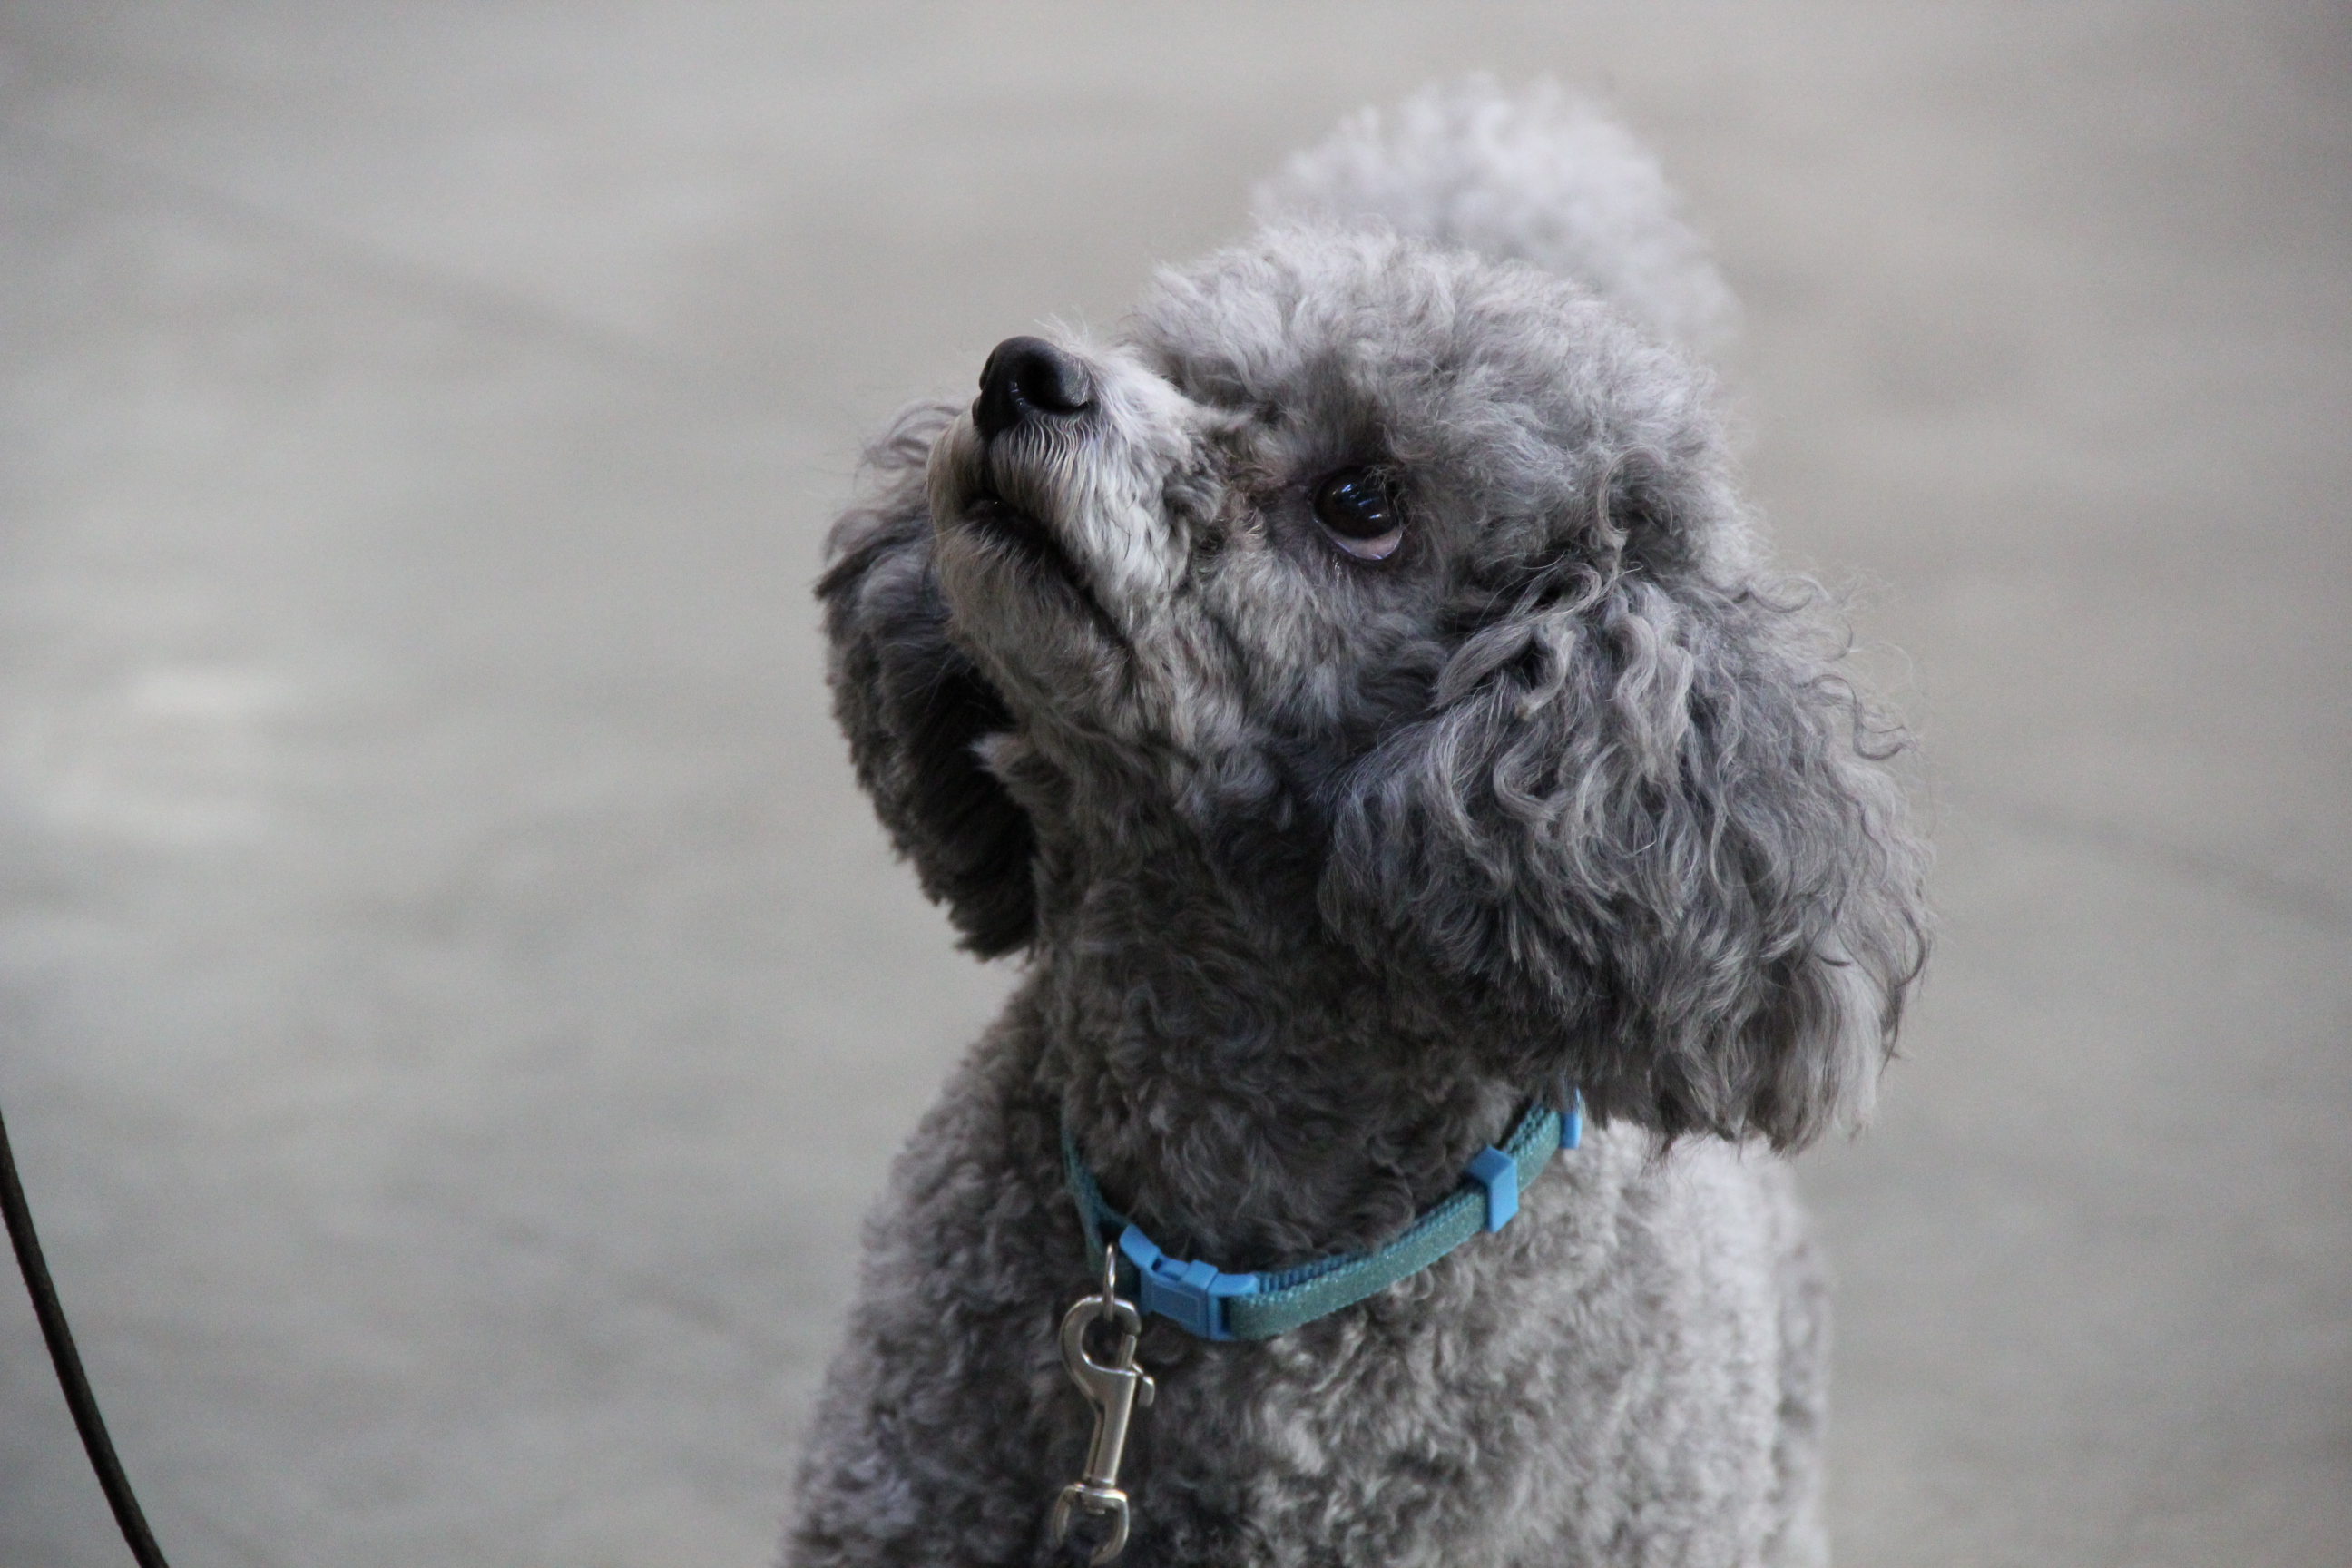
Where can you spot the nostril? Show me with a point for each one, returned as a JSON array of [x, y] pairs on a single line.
[[1047, 379], [1028, 378]]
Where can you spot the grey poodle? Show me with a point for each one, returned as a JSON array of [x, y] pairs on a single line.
[[1360, 692]]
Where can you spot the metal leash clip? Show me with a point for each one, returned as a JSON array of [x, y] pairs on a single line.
[[1116, 1390]]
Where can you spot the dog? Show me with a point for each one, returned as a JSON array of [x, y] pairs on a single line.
[[1360, 692]]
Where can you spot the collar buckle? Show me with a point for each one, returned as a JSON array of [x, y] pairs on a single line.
[[1193, 1294]]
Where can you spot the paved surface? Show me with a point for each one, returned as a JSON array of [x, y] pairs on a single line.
[[452, 1005]]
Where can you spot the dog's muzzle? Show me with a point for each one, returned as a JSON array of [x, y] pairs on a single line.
[[1033, 396]]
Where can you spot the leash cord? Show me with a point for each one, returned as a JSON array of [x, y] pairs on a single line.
[[68, 1361]]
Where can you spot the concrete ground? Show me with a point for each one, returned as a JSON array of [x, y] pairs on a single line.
[[453, 1005]]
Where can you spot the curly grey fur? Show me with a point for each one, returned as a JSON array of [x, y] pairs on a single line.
[[1322, 867], [1542, 176]]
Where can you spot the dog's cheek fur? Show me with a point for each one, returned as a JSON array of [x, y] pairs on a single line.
[[1659, 829], [915, 708]]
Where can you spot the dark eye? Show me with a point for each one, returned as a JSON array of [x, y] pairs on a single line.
[[1359, 508]]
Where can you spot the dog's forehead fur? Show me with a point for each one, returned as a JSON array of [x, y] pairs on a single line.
[[1502, 395]]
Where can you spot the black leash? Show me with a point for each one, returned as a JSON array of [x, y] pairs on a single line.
[[78, 1399]]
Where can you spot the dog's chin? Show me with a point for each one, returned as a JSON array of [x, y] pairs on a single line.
[[1020, 545], [1028, 542]]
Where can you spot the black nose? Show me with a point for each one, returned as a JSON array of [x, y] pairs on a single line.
[[1026, 379]]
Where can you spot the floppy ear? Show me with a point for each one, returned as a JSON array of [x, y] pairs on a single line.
[[915, 708], [1657, 827]]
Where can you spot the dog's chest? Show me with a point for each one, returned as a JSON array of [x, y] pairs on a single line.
[[1612, 1365], [1417, 1429]]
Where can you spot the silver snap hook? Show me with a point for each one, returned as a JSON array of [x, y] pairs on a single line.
[[1116, 1389]]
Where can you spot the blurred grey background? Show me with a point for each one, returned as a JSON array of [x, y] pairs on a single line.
[[454, 1006]]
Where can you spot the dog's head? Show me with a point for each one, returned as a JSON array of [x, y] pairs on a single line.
[[1418, 579]]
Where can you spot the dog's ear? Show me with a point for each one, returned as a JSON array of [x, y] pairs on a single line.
[[915, 708], [1654, 826]]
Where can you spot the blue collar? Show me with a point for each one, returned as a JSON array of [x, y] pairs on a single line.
[[1219, 1306]]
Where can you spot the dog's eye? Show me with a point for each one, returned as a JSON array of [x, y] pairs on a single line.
[[1359, 508]]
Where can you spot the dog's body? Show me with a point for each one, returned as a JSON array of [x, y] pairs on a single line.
[[1361, 693]]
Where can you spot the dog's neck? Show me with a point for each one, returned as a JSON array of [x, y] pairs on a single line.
[[1249, 1091]]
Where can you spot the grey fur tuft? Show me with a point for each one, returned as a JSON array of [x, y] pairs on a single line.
[[1656, 820], [1542, 176]]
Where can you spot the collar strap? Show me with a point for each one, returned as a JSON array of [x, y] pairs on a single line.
[[1215, 1305]]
